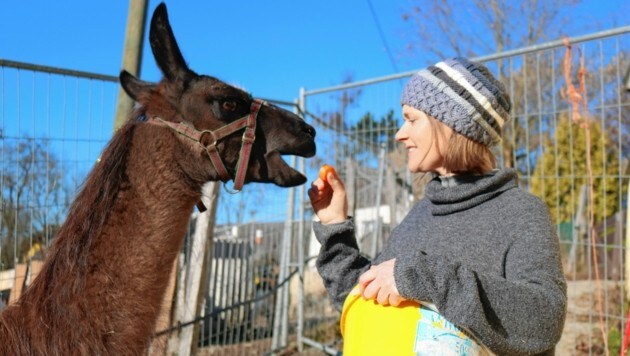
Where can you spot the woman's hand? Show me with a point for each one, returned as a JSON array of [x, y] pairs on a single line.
[[329, 199], [378, 283]]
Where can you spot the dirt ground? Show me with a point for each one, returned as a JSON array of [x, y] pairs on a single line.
[[581, 331]]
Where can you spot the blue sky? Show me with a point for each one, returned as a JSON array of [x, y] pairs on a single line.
[[272, 48]]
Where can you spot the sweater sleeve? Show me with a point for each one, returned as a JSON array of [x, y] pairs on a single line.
[[520, 313], [339, 262]]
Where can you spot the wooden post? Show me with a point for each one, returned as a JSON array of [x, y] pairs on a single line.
[[34, 267], [192, 304], [212, 193], [178, 304], [132, 55], [159, 345]]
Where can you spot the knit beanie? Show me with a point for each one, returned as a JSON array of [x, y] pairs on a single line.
[[463, 95]]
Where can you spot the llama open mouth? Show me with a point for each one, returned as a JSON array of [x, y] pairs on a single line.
[[281, 173]]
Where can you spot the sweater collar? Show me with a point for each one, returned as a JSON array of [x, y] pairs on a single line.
[[469, 191]]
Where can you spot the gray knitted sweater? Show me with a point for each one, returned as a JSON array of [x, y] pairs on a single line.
[[483, 251]]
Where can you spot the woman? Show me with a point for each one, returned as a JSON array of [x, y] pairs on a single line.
[[477, 248]]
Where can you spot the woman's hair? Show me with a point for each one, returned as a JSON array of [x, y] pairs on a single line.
[[463, 155]]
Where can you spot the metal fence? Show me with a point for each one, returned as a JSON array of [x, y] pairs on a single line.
[[259, 289], [54, 124], [356, 123]]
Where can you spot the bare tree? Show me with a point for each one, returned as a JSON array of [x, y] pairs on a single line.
[[34, 197], [447, 28]]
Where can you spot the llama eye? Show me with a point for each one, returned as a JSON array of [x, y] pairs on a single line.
[[229, 105]]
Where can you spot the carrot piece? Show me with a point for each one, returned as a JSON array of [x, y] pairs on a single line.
[[323, 172]]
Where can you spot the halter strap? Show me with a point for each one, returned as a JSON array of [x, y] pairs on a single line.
[[249, 136]]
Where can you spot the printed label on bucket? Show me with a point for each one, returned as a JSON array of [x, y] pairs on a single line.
[[438, 336]]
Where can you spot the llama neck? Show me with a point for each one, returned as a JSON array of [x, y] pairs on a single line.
[[146, 228], [111, 300]]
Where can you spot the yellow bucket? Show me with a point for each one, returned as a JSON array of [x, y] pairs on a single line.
[[411, 328]]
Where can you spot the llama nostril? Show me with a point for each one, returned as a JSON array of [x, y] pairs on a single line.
[[310, 131]]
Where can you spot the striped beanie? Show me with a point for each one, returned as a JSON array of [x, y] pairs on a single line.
[[462, 94]]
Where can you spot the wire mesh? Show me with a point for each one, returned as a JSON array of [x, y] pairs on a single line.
[[356, 123], [53, 128]]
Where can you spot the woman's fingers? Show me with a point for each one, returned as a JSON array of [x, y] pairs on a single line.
[[378, 283], [395, 300], [335, 183], [383, 297], [365, 279], [371, 291], [312, 192], [318, 193], [316, 187]]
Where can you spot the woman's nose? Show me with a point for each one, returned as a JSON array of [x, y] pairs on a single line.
[[400, 135]]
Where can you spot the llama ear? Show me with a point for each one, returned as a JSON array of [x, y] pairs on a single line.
[[133, 86], [165, 50]]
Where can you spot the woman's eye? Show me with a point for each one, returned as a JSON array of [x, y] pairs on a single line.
[[229, 105]]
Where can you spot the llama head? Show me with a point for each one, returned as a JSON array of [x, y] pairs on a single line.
[[208, 104]]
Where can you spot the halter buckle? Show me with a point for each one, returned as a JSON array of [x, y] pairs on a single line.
[[212, 135], [249, 136]]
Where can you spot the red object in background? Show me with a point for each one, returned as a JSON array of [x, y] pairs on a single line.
[[626, 337]]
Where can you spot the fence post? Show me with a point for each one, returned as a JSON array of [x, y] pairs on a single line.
[[379, 189], [351, 185], [300, 242], [390, 187], [132, 55], [279, 340], [210, 199], [178, 304], [576, 254], [196, 265]]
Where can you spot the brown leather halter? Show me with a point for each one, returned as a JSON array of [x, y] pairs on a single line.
[[248, 122]]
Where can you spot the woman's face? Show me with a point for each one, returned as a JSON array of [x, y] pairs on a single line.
[[424, 140]]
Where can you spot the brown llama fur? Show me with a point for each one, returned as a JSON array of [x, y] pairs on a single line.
[[106, 272], [96, 277]]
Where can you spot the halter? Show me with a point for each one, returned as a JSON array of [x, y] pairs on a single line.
[[248, 122]]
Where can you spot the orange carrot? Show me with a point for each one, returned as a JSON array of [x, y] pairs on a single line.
[[323, 172]]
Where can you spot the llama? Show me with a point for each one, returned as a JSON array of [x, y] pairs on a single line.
[[106, 272]]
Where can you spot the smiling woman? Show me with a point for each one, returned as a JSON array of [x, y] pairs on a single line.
[[453, 153], [474, 268], [424, 139]]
